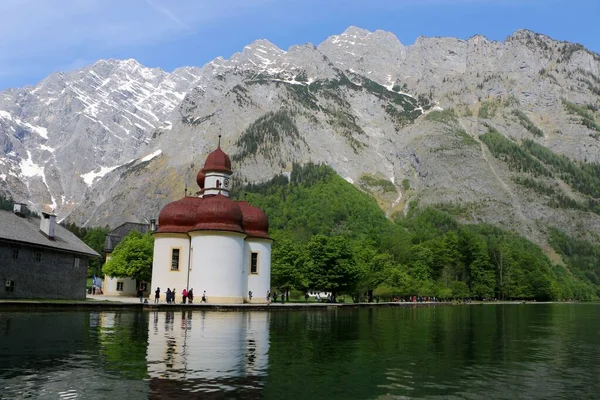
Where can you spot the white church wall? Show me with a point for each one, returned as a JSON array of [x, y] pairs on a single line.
[[163, 275], [260, 282], [217, 266]]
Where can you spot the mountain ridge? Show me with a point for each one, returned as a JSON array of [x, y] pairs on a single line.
[[355, 101]]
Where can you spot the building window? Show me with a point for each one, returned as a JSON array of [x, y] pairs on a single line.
[[15, 253], [76, 262], [254, 263], [38, 256], [175, 259], [119, 286], [10, 285]]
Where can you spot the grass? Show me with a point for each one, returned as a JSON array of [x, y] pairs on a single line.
[[368, 181], [443, 116]]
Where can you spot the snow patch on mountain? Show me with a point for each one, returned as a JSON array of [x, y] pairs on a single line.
[[91, 176], [151, 156], [43, 132], [29, 168]]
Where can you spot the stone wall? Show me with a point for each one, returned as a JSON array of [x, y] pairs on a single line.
[[50, 275]]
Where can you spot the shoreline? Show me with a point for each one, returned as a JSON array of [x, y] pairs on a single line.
[[134, 305]]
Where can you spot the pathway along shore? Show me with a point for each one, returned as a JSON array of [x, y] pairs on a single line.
[[133, 303]]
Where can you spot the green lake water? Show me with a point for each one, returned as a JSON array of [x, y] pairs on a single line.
[[533, 351]]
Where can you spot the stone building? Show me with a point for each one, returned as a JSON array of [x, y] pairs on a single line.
[[122, 286], [211, 243], [40, 259]]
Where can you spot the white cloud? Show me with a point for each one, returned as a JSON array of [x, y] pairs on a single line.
[[169, 15]]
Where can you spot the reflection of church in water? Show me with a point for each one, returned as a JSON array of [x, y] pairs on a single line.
[[207, 351]]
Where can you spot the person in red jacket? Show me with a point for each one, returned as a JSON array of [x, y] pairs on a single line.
[[184, 295]]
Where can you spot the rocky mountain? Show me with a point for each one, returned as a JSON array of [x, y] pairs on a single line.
[[59, 137], [468, 124]]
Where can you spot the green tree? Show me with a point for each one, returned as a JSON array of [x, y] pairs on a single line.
[[400, 281], [95, 237], [132, 258], [330, 265], [422, 262], [373, 265], [482, 280], [287, 265]]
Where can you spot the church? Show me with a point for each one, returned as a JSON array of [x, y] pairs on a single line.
[[210, 243]]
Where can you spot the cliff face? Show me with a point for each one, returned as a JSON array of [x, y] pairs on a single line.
[[116, 141]]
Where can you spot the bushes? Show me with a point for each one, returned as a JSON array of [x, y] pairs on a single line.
[[264, 133], [443, 116], [511, 153], [527, 124], [584, 178], [587, 117]]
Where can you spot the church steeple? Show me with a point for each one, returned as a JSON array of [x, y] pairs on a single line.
[[216, 173]]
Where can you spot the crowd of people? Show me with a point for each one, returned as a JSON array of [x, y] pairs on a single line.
[[187, 296]]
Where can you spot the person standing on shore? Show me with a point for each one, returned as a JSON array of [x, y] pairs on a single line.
[[190, 296], [204, 297], [140, 293], [268, 297], [156, 295], [173, 296], [184, 295]]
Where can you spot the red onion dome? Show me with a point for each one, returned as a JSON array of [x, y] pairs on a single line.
[[179, 216], [217, 161], [200, 178], [255, 221], [218, 213]]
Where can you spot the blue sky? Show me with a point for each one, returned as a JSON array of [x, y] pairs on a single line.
[[38, 37]]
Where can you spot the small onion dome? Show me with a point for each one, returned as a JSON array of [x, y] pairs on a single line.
[[179, 216], [217, 161], [255, 221], [200, 178], [218, 213]]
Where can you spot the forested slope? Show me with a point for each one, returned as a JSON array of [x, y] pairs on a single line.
[[331, 236]]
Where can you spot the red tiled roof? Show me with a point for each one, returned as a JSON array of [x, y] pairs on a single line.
[[217, 161], [218, 213], [179, 216], [200, 178], [254, 220]]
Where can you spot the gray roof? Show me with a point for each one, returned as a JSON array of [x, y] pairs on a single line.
[[118, 234], [27, 230]]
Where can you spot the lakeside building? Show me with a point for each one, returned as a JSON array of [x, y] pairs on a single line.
[[39, 258], [213, 244], [122, 286]]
